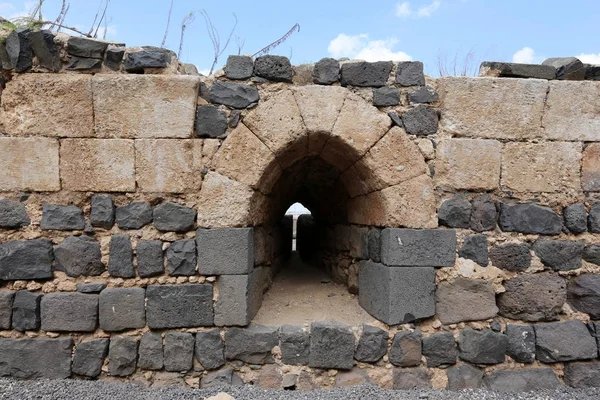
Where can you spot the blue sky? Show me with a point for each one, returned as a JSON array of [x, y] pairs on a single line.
[[431, 31]]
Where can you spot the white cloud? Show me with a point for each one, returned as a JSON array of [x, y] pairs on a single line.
[[589, 58], [405, 10], [524, 56], [360, 47], [426, 11]]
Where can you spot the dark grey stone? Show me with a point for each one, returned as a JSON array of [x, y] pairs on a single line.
[[69, 312], [374, 238], [240, 297], [372, 344], [83, 64], [151, 355], [406, 349], [560, 255], [150, 57], [583, 375], [295, 345], [234, 118], [134, 216], [523, 380], [575, 217], [5, 62], [90, 287], [529, 218], [36, 358], [122, 308], [515, 70], [592, 72], [567, 68], [239, 67], [411, 378], [326, 71], [386, 96], [396, 120], [331, 346], [538, 297], [225, 251], [482, 347], [103, 212], [181, 258], [274, 68], [13, 214], [87, 48], [172, 217], [397, 295], [114, 57], [418, 247], [484, 214], [62, 218], [591, 254], [421, 121], [564, 341], [583, 294], [6, 305], [514, 257], [440, 349], [224, 377], [120, 257], [179, 351], [26, 311], [211, 122], [89, 357], [209, 349], [455, 300], [594, 218], [252, 345], [455, 212], [475, 247], [79, 255], [521, 343], [410, 73], [366, 74], [26, 259], [19, 50], [149, 258], [425, 94], [496, 326], [233, 94], [122, 356], [179, 306], [464, 377]]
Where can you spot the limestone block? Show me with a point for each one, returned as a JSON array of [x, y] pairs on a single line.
[[145, 106], [97, 165], [320, 105], [541, 167], [49, 105], [472, 164], [572, 111], [493, 108], [20, 156], [590, 170], [168, 166]]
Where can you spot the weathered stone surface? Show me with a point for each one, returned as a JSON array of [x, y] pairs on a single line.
[[374, 238], [575, 217], [421, 121], [538, 297], [120, 257], [582, 375], [524, 380], [406, 349], [351, 378], [240, 297], [18, 48], [122, 356], [560, 255], [529, 218], [485, 347], [26, 259], [295, 345], [69, 312], [440, 349], [274, 68], [464, 377], [224, 377], [521, 343], [103, 212], [122, 308], [20, 156], [84, 64], [567, 68], [87, 48], [44, 48], [6, 304], [484, 214], [410, 73], [583, 294], [209, 349], [181, 258], [326, 71], [142, 113], [225, 251], [149, 258], [425, 94], [13, 215], [412, 378], [90, 287], [516, 70], [114, 57], [179, 306], [239, 67], [455, 212], [179, 351], [134, 215], [79, 255], [36, 358], [475, 248], [564, 341], [372, 344], [211, 122], [252, 345], [591, 254], [511, 256], [386, 96], [590, 168], [89, 357], [592, 72], [418, 248], [472, 164], [234, 95], [149, 57], [524, 168], [331, 346], [26, 311], [366, 74], [465, 300], [151, 351], [594, 218], [397, 295]]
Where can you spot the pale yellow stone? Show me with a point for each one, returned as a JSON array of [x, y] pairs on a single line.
[[472, 164], [209, 149], [495, 108], [102, 165], [30, 164], [57, 105], [426, 148], [168, 165], [573, 111], [541, 167], [145, 106], [590, 171], [221, 396]]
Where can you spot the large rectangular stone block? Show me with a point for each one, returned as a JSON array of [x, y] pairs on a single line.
[[102, 165], [122, 308], [179, 306], [36, 358], [145, 106], [396, 295], [418, 248], [69, 312], [29, 164], [26, 259], [240, 297], [57, 105], [226, 251]]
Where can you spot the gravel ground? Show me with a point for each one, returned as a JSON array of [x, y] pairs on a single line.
[[77, 390]]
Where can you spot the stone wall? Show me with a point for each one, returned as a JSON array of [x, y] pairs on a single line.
[[141, 222]]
